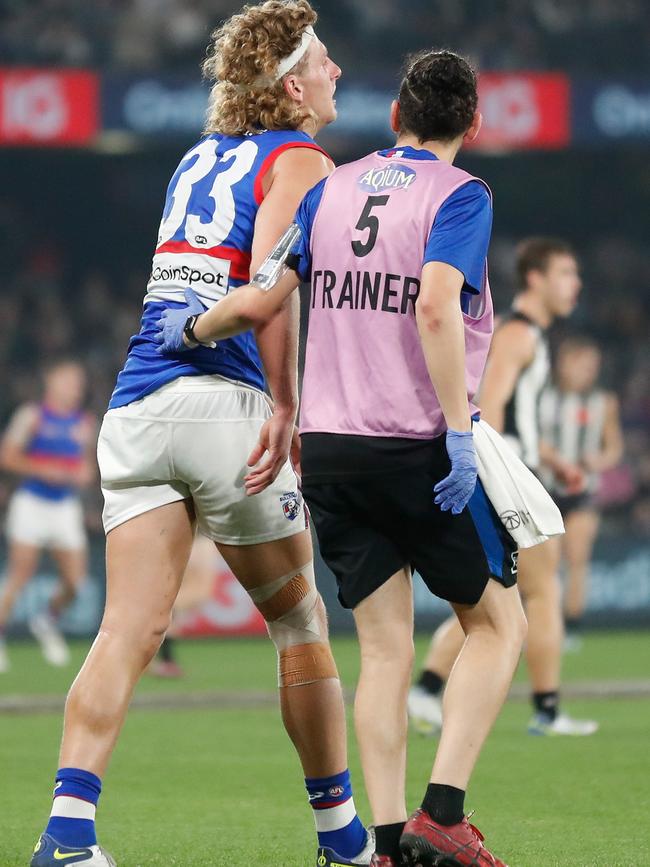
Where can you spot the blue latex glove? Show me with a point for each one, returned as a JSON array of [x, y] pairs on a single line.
[[172, 322], [455, 490]]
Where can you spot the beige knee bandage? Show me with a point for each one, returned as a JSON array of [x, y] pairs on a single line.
[[289, 606]]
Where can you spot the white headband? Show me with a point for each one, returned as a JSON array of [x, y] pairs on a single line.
[[289, 62], [284, 65]]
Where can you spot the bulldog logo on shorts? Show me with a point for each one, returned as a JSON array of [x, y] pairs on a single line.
[[291, 505]]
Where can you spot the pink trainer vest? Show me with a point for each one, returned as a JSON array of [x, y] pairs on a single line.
[[365, 371]]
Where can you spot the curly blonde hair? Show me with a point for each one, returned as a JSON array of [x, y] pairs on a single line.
[[242, 60]]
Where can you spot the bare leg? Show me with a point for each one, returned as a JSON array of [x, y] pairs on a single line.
[[73, 566], [445, 646], [385, 626], [199, 576], [313, 714], [581, 531], [23, 560], [196, 589], [540, 588], [145, 561], [479, 680]]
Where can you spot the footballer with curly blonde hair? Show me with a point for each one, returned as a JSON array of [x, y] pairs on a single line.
[[193, 439], [242, 61]]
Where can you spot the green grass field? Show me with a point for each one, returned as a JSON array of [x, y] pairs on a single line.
[[202, 787]]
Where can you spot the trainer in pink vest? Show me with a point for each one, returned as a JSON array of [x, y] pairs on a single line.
[[365, 371]]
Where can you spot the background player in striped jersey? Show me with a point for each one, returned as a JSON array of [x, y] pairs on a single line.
[[580, 421], [50, 447], [400, 326], [517, 372], [182, 433]]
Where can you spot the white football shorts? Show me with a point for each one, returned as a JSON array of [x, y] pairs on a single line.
[[53, 524], [191, 439]]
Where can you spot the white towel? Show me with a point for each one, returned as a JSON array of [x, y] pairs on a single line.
[[522, 503]]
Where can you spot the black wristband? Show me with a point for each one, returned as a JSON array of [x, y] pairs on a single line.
[[293, 261], [188, 331]]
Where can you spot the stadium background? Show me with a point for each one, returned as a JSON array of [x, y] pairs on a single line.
[[98, 101]]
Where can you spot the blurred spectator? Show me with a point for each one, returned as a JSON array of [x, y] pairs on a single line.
[[597, 37]]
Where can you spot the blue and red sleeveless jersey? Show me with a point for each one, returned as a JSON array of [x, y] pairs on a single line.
[[57, 441], [204, 242]]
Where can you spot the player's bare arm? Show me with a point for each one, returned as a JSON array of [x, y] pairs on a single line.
[[294, 173], [513, 349], [12, 448], [89, 470], [612, 442], [442, 334], [13, 458], [245, 308]]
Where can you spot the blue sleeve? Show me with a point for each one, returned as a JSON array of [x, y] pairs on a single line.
[[460, 235], [305, 219]]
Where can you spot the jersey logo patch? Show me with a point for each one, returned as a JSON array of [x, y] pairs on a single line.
[[394, 176], [291, 505], [172, 273]]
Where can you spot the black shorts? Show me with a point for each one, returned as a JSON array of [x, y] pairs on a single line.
[[573, 503], [371, 500]]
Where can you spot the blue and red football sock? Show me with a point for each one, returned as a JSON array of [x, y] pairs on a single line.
[[72, 820], [337, 824]]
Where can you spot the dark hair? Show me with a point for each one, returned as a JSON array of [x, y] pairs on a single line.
[[534, 254], [437, 96]]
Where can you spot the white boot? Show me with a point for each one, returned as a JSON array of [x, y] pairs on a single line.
[[44, 629], [425, 711]]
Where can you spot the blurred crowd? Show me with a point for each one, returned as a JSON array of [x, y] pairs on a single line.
[[597, 37], [49, 310]]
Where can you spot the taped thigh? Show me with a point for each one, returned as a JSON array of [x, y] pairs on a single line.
[[290, 607]]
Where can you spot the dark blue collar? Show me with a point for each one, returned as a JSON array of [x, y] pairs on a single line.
[[407, 153]]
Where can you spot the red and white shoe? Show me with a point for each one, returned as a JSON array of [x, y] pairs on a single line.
[[425, 843], [383, 861]]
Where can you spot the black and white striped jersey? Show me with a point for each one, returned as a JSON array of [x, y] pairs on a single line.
[[522, 423], [573, 423]]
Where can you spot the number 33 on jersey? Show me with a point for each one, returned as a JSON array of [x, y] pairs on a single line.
[[204, 242]]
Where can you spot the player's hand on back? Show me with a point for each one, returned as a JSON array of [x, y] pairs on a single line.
[[454, 492], [170, 326], [271, 452], [294, 453]]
